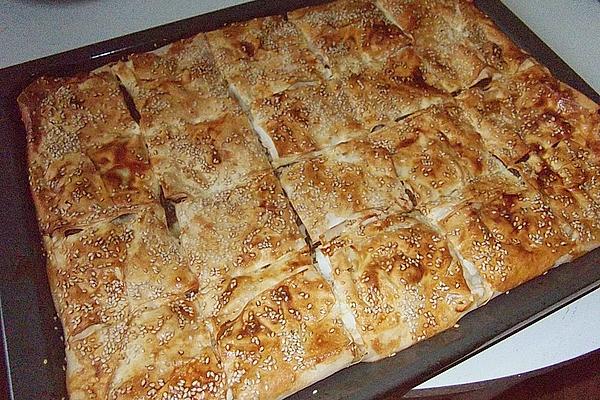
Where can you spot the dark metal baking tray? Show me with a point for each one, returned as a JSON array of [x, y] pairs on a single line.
[[31, 334]]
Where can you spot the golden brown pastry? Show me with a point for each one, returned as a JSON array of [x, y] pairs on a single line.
[[232, 216], [87, 161], [176, 83], [387, 93], [304, 119], [238, 231], [104, 273], [350, 180], [503, 231], [435, 153], [398, 279], [349, 34], [264, 56], [572, 204], [202, 159], [285, 337], [578, 167], [159, 353], [459, 45], [530, 111]]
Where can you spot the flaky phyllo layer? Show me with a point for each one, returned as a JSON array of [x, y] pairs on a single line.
[[242, 213]]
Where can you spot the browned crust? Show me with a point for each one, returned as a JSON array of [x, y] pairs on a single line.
[[240, 229], [86, 159], [233, 307], [308, 118], [531, 111], [352, 179], [102, 274], [264, 56], [399, 280], [508, 232], [165, 352], [199, 160], [349, 34], [285, 338], [459, 44]]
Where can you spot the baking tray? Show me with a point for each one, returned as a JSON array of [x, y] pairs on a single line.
[[31, 334]]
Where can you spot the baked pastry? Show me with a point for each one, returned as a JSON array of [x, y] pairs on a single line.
[[104, 273], [302, 120], [577, 165], [388, 92], [399, 280], [199, 141], [175, 83], [205, 158], [530, 111], [263, 57], [350, 180], [242, 213], [435, 153], [158, 353], [571, 203], [504, 232], [459, 45], [349, 34], [285, 338], [236, 232], [87, 161]]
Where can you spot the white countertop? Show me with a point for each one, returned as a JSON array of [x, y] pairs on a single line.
[[30, 29]]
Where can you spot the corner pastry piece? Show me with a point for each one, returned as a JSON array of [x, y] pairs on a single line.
[[238, 231], [383, 95], [161, 353], [87, 161], [350, 180], [176, 83], [104, 273], [263, 56], [531, 111], [398, 279], [348, 34], [284, 338], [304, 119], [459, 45], [200, 160], [505, 233]]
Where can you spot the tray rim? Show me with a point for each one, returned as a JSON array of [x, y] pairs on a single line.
[[94, 55]]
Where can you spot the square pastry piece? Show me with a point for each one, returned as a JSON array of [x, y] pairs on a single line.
[[263, 56], [398, 281], [305, 119], [350, 180], [87, 160], [283, 337], [572, 204], [105, 273], [577, 166], [459, 45], [161, 353], [200, 160], [531, 111], [504, 232], [348, 34], [238, 231], [176, 83], [435, 152], [384, 94]]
